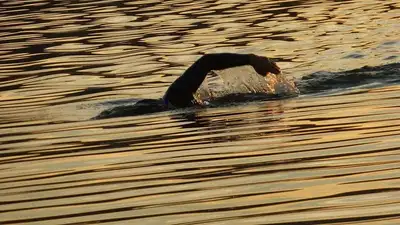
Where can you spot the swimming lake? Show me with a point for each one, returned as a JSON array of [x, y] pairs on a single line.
[[328, 156]]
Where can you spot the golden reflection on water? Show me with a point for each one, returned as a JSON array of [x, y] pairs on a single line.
[[317, 159]]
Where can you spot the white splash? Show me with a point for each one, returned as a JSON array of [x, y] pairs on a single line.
[[245, 80]]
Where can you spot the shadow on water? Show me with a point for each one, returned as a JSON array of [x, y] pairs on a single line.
[[325, 81]]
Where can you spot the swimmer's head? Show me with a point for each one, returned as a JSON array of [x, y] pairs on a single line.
[[263, 65]]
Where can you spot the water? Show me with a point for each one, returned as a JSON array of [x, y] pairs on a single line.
[[328, 156]]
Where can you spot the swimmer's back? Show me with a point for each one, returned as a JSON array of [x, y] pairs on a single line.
[[141, 107]]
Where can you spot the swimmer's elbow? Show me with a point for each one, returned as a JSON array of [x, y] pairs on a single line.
[[206, 62], [213, 61], [218, 61]]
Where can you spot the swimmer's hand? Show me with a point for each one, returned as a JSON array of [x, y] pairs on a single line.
[[263, 65]]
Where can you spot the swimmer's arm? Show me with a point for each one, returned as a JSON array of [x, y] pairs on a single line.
[[192, 78], [181, 91]]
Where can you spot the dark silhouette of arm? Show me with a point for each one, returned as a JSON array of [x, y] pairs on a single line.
[[180, 93]]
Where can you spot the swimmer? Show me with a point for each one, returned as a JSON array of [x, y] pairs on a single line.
[[181, 92]]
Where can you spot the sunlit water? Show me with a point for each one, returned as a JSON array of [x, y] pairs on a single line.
[[330, 155]]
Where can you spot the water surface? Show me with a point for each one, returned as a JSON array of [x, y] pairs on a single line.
[[328, 156]]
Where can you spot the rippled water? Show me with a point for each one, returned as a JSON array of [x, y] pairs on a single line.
[[328, 156]]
